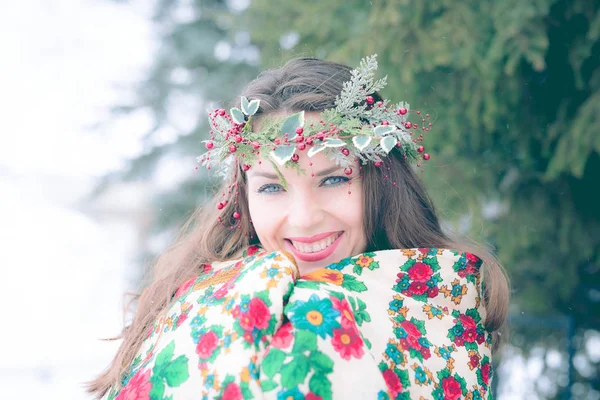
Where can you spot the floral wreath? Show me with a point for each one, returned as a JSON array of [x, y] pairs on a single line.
[[357, 129]]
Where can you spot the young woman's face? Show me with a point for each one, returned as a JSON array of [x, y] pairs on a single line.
[[315, 218]]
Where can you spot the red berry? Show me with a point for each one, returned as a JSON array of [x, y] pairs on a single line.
[[300, 139], [348, 171], [301, 146], [345, 152], [299, 130], [237, 138], [295, 157], [277, 141], [378, 163], [210, 145], [222, 112], [309, 142], [384, 122], [403, 111], [426, 156], [379, 103], [421, 149], [256, 145], [220, 206], [370, 100], [408, 125], [232, 148], [237, 215], [246, 167]]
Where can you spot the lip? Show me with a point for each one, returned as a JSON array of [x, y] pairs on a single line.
[[316, 256], [312, 239]]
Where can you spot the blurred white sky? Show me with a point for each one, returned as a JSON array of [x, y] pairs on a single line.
[[63, 273]]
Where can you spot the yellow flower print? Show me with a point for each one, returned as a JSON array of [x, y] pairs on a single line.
[[364, 261], [434, 312], [456, 292], [325, 275], [245, 375], [409, 252]]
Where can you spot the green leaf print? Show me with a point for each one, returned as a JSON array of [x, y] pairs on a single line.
[[164, 356], [308, 284], [320, 362], [268, 385], [273, 362], [305, 341], [320, 385], [352, 284], [357, 269], [294, 372], [176, 372], [158, 388]]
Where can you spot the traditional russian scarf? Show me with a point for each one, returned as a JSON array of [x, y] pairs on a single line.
[[393, 324]]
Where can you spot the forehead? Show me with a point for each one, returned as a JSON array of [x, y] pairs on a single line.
[[318, 165]]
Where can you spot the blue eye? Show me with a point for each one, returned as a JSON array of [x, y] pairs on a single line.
[[334, 180], [270, 188]]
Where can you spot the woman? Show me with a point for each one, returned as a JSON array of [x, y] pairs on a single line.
[[321, 269]]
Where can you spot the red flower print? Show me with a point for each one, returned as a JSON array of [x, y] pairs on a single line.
[[222, 291], [232, 392], [413, 342], [393, 382], [420, 272], [474, 360], [470, 335], [312, 396], [486, 369], [248, 337], [246, 321], [252, 250], [451, 388], [432, 292], [404, 344], [459, 340], [410, 328], [343, 307], [417, 288], [235, 312], [207, 344], [138, 387], [425, 353], [348, 343], [183, 288], [480, 338], [467, 321], [181, 319], [472, 257], [259, 312], [424, 250], [283, 337], [207, 268]]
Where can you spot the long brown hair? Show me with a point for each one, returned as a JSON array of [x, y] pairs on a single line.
[[395, 216]]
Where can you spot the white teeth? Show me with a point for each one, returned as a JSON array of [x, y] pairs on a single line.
[[317, 246]]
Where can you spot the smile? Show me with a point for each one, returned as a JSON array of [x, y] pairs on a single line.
[[314, 248]]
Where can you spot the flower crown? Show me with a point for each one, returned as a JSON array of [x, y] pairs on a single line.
[[358, 128]]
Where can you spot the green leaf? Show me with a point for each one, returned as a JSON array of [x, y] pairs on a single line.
[[334, 143], [321, 386], [164, 356], [158, 389], [304, 341], [294, 372], [291, 123], [383, 130], [352, 284], [253, 107], [357, 269], [273, 362], [283, 154], [244, 104], [237, 115], [176, 372], [388, 143], [267, 385], [321, 362], [362, 141], [314, 150]]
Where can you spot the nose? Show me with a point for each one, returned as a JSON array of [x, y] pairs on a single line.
[[305, 212]]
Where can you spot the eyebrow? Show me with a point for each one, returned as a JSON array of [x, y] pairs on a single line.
[[269, 175]]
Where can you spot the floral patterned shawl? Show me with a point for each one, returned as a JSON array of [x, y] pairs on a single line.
[[394, 324]]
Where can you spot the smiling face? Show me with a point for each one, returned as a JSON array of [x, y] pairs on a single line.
[[315, 219]]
